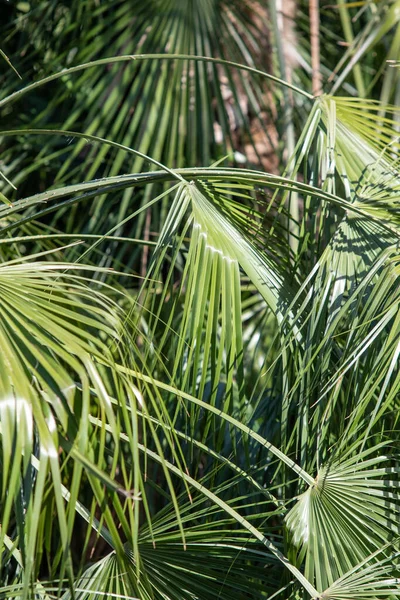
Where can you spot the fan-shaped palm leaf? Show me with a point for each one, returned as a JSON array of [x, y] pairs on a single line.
[[352, 501]]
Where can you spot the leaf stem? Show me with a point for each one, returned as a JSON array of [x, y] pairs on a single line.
[[315, 48], [141, 57]]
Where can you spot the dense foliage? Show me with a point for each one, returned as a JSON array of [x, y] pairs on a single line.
[[199, 300]]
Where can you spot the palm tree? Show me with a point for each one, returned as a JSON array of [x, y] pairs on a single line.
[[199, 366]]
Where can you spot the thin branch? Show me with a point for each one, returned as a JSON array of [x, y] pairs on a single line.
[[315, 49]]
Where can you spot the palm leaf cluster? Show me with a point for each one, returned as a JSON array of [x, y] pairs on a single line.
[[199, 307]]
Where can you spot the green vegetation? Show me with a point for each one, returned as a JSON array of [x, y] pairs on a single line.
[[199, 300]]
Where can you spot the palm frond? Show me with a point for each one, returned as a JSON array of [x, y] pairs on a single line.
[[373, 577], [352, 500]]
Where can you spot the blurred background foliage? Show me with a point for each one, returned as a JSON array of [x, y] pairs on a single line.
[[199, 308]]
